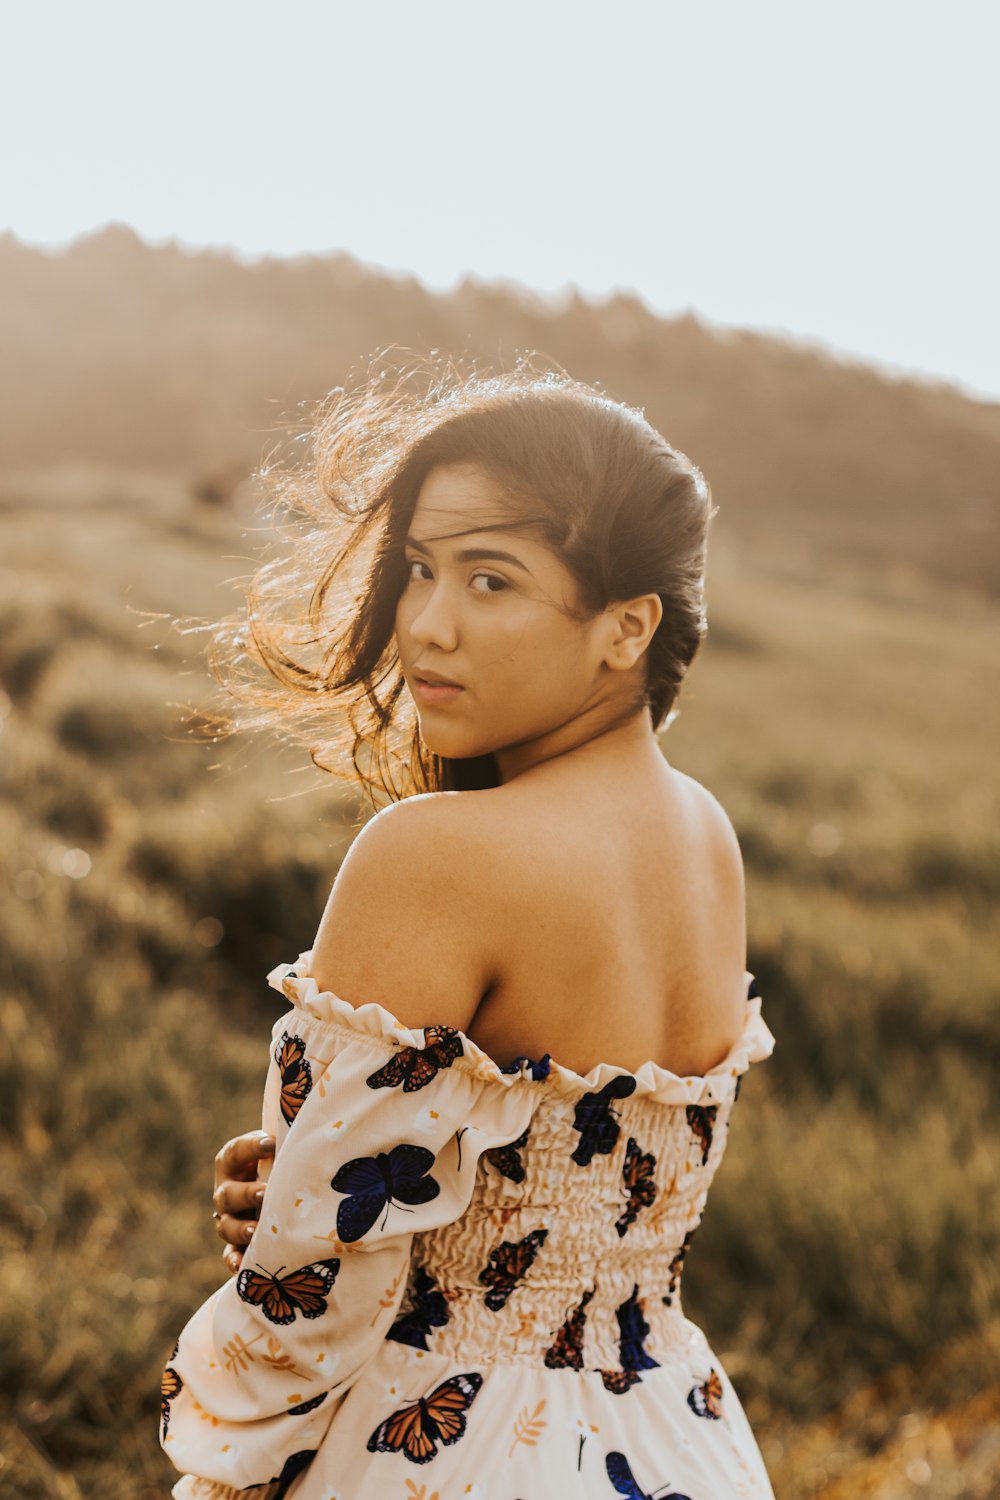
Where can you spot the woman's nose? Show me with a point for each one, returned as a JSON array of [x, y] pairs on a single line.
[[434, 623]]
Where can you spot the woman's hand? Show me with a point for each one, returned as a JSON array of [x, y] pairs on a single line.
[[238, 1192]]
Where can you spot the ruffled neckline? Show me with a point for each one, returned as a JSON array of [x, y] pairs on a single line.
[[755, 1043]]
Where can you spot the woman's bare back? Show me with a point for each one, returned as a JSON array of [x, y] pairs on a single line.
[[614, 913]]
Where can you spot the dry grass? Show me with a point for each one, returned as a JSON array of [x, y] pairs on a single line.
[[846, 1270]]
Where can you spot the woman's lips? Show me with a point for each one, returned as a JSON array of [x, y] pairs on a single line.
[[435, 692]]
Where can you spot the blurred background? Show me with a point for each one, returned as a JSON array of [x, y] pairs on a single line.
[[772, 227]]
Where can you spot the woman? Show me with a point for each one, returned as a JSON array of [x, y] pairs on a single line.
[[506, 1081]]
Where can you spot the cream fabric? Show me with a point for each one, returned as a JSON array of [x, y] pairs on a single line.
[[465, 1280]]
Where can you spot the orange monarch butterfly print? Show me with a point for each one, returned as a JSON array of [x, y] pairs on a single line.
[[638, 1176], [171, 1385], [508, 1263], [705, 1400], [701, 1118], [416, 1429], [675, 1268], [507, 1158], [566, 1352], [280, 1297], [416, 1067], [296, 1075], [619, 1381]]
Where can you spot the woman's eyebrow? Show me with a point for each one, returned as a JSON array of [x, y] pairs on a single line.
[[474, 554]]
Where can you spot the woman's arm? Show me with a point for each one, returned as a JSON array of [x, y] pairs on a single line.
[[425, 868], [361, 1163], [260, 1368]]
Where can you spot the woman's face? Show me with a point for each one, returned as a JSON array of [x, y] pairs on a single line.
[[496, 626]]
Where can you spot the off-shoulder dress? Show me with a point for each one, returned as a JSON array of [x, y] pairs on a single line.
[[466, 1278]]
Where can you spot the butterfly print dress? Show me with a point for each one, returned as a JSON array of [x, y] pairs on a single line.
[[466, 1279]]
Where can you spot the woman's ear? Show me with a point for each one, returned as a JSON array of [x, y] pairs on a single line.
[[631, 626]]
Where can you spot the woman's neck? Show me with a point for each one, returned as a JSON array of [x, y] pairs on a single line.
[[625, 738]]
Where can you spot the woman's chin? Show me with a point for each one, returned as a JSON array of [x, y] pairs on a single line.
[[451, 746]]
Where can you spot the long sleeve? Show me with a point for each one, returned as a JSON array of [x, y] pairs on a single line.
[[379, 1131]]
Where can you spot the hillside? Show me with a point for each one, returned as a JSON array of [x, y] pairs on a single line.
[[121, 352]]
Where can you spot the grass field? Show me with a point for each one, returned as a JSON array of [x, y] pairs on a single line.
[[847, 1267]]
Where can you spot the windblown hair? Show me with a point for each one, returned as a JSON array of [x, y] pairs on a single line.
[[625, 512]]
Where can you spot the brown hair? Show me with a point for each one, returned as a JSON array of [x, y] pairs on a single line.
[[625, 512]]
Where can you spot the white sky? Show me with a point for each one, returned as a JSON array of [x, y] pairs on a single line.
[[824, 169]]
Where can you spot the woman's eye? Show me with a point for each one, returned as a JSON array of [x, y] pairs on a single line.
[[495, 584], [492, 578]]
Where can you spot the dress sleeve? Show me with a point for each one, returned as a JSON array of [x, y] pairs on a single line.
[[379, 1131]]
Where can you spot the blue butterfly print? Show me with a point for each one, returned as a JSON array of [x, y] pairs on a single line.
[[295, 1465], [597, 1122], [539, 1070], [429, 1310], [371, 1183], [624, 1481], [634, 1329]]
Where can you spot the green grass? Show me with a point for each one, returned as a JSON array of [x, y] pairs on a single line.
[[855, 1224]]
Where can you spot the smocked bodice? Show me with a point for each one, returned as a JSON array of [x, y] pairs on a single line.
[[570, 1252]]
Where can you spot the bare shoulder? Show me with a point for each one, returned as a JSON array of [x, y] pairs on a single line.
[[439, 829], [717, 826], [404, 922]]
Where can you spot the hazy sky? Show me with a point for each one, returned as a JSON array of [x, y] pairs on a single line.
[[828, 170]]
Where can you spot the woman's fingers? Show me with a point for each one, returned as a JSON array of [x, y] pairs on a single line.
[[239, 1157], [238, 1194], [233, 1258], [233, 1197], [236, 1232]]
